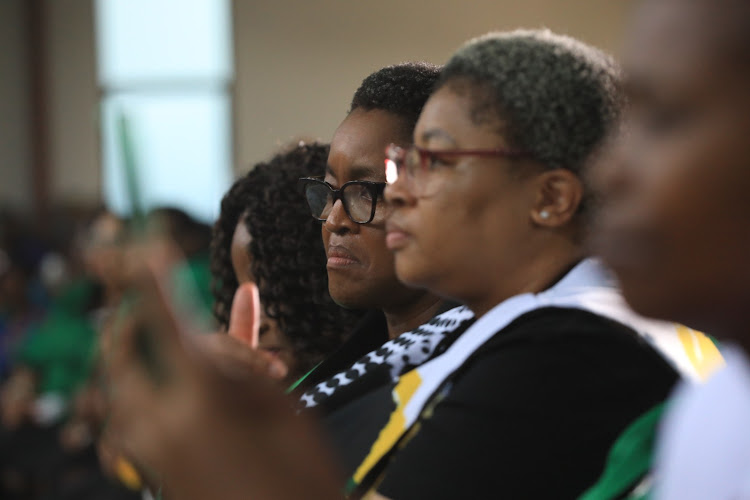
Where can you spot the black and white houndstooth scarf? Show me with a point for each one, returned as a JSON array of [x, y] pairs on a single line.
[[400, 355]]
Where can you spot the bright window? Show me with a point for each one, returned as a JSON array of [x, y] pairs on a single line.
[[166, 66]]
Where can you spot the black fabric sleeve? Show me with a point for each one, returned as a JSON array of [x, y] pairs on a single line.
[[370, 333], [534, 413]]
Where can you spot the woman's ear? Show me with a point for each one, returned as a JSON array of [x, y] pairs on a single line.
[[558, 196]]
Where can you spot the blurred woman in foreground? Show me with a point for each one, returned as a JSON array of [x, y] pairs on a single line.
[[675, 228]]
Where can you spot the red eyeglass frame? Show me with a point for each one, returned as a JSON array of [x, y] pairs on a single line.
[[397, 154]]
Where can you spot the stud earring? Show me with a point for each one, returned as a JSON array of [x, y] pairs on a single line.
[[544, 214]]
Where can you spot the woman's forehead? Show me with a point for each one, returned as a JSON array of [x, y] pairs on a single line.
[[677, 32], [448, 118], [358, 146]]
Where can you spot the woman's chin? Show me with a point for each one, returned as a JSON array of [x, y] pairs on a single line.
[[412, 272]]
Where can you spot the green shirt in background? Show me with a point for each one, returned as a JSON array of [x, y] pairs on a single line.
[[192, 290], [61, 349]]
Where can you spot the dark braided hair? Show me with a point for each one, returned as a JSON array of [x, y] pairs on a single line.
[[288, 259]]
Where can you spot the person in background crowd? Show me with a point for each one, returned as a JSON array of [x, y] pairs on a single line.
[[43, 451], [55, 356], [183, 243], [19, 311], [23, 302]]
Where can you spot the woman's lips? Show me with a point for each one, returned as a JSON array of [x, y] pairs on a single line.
[[395, 238], [339, 257]]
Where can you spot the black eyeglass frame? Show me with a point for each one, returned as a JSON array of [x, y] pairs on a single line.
[[375, 188]]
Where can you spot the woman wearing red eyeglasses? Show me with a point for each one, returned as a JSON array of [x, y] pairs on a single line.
[[489, 208]]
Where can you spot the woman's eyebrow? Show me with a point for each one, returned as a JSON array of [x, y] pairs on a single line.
[[366, 171], [358, 172], [436, 133]]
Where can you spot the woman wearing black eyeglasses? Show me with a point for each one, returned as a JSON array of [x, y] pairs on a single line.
[[352, 390], [360, 267]]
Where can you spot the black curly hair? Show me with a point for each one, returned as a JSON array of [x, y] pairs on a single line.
[[288, 259], [401, 89]]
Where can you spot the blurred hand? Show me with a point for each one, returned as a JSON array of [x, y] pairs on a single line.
[[114, 464], [238, 350], [213, 430]]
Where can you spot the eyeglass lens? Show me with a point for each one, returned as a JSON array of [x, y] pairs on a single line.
[[357, 198]]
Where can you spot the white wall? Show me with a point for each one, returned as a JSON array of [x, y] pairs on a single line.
[[74, 135], [72, 99], [298, 63], [15, 158]]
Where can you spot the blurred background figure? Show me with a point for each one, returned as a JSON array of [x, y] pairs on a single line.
[[184, 244], [22, 302], [53, 308]]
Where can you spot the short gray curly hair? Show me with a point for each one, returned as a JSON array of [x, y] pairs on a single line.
[[556, 97]]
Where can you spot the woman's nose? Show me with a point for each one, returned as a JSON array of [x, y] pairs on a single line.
[[397, 193], [338, 220]]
